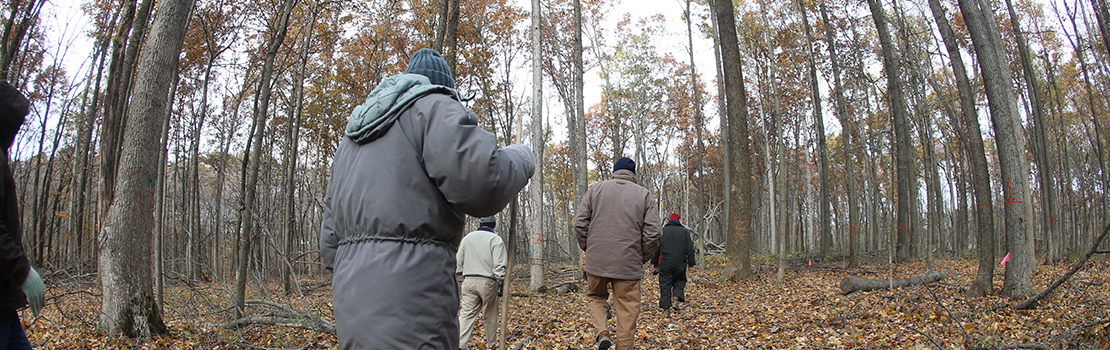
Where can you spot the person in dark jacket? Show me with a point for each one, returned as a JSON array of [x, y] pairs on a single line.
[[676, 252], [20, 284], [617, 225], [413, 164]]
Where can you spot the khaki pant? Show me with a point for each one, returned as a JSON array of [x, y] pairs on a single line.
[[478, 293], [626, 305]]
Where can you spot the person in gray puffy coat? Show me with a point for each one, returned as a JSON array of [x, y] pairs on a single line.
[[413, 164]]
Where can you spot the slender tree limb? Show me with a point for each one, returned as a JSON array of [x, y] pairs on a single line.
[[927, 336], [1032, 301], [1024, 346], [967, 337]]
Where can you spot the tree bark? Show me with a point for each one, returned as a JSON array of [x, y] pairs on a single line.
[[581, 178], [1010, 139], [278, 31], [969, 131], [819, 129], [1040, 142], [903, 145], [125, 262], [738, 243], [848, 135], [535, 188], [856, 284]]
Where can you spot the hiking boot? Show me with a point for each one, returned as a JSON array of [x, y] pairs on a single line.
[[667, 313], [603, 341]]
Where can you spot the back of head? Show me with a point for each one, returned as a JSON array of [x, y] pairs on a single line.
[[626, 164], [13, 109], [430, 63], [488, 221]]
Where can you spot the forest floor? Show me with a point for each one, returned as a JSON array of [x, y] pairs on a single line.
[[807, 312]]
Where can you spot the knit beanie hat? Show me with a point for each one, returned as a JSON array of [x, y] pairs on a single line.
[[429, 63], [674, 217], [625, 163], [488, 221]]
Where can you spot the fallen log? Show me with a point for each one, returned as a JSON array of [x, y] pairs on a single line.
[[856, 284]]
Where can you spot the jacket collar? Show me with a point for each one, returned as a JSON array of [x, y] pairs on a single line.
[[483, 228], [624, 174]]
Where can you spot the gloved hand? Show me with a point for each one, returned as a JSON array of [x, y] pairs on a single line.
[[500, 289], [34, 289]]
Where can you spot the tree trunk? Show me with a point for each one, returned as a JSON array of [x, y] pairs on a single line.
[[1010, 139], [1040, 142], [903, 145], [128, 306], [452, 37], [13, 42], [292, 138], [778, 187], [581, 178], [279, 30], [160, 203], [969, 131], [535, 189], [848, 136], [819, 130], [856, 284], [81, 154], [441, 25], [119, 89], [738, 243]]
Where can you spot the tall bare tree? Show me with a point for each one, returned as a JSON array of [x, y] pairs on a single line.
[[1040, 140], [535, 189], [277, 29], [738, 242], [848, 136], [998, 83], [819, 131], [128, 305], [972, 138], [903, 146]]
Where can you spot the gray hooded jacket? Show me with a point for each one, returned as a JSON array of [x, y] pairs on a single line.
[[413, 164]]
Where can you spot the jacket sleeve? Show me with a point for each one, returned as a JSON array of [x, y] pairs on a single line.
[[460, 257], [651, 230], [500, 259], [14, 265], [582, 218], [691, 259], [329, 242], [464, 162]]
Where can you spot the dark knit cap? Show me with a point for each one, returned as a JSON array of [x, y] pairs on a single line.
[[488, 221], [429, 63], [625, 163]]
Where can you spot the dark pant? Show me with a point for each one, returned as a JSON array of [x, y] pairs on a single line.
[[12, 336], [672, 283]]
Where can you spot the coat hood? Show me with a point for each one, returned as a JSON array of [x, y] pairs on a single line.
[[13, 109], [394, 95]]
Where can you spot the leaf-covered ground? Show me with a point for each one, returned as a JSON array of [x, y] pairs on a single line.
[[807, 312]]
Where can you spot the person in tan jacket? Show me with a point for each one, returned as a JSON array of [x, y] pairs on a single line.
[[617, 225], [480, 262]]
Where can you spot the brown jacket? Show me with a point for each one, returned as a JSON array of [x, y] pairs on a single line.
[[618, 226]]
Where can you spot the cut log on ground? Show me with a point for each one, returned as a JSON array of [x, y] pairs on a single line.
[[856, 284]]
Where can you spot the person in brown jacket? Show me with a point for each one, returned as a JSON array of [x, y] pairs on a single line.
[[617, 224]]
